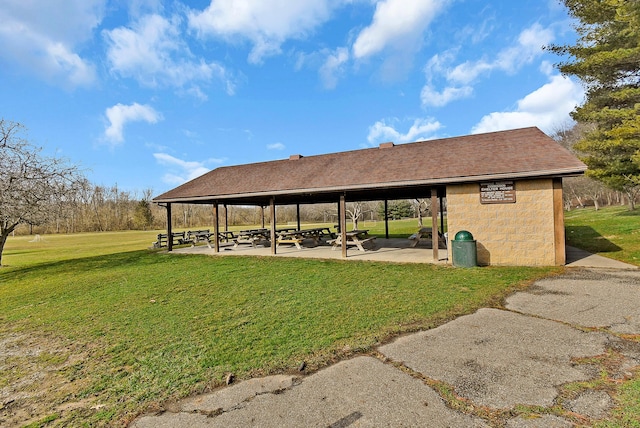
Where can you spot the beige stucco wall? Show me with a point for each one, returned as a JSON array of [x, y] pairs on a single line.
[[523, 233]]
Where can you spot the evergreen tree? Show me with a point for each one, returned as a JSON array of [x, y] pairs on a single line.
[[606, 57], [142, 216], [396, 210]]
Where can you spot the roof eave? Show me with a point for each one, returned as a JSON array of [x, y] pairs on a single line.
[[564, 172]]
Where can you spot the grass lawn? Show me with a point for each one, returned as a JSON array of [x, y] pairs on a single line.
[[612, 232], [113, 332]]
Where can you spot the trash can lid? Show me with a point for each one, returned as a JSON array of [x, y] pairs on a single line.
[[464, 235]]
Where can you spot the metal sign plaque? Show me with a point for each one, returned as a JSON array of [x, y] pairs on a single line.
[[498, 192]]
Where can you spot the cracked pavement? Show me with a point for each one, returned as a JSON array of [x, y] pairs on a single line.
[[478, 370]]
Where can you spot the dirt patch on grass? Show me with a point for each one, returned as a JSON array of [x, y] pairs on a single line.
[[40, 378]]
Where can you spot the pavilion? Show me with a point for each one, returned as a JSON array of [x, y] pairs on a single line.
[[504, 187]]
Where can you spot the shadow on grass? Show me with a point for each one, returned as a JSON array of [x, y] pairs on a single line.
[[106, 261], [634, 213], [586, 238]]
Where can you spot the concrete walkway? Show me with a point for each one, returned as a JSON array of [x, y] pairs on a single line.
[[581, 258], [502, 367]]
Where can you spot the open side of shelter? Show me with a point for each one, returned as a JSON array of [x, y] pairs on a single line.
[[505, 187]]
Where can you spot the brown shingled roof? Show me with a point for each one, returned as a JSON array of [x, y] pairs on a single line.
[[519, 153]]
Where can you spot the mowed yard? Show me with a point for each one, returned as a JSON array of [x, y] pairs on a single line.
[[97, 328]]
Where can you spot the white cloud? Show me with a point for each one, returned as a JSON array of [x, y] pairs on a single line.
[[180, 171], [267, 24], [547, 107], [436, 66], [120, 114], [44, 39], [152, 52], [431, 97], [276, 146], [469, 71], [333, 67], [396, 23], [420, 129], [528, 47], [460, 78]]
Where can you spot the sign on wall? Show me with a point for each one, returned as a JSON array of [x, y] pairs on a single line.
[[498, 192]]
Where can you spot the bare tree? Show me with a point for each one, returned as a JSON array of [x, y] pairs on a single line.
[[31, 185], [422, 207], [578, 189], [356, 210]]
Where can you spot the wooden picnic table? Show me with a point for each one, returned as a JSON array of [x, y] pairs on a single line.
[[354, 238], [296, 237], [425, 233], [177, 238], [326, 232], [286, 229], [252, 236], [226, 235], [290, 237], [195, 236]]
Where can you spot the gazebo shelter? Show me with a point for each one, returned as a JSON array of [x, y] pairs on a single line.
[[504, 187]]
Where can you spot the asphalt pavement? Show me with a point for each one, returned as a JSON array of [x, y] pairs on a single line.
[[496, 367]]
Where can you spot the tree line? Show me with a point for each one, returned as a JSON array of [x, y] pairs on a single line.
[[583, 191]]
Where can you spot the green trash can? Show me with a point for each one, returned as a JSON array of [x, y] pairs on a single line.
[[463, 250]]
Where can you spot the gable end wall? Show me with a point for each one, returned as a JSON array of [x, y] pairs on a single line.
[[523, 233]]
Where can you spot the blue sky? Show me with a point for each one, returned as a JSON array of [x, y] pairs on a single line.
[[148, 94]]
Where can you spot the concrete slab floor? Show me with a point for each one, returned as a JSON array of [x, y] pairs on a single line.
[[384, 250]]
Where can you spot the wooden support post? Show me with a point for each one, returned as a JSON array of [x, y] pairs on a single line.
[[262, 215], [386, 219], [434, 224], [226, 218], [441, 214], [169, 229], [272, 205], [343, 224], [216, 229], [298, 215]]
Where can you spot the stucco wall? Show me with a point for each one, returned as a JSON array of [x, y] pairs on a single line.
[[521, 233]]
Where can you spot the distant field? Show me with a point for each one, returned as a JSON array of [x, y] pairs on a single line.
[[611, 232], [22, 251]]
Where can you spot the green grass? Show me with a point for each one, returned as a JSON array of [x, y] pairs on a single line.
[[142, 327], [612, 232], [627, 412], [397, 228], [21, 252]]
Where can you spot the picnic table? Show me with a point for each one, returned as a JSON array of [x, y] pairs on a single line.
[[354, 238], [195, 236], [425, 233], [177, 238], [296, 237], [226, 235], [251, 236]]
